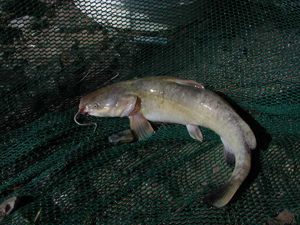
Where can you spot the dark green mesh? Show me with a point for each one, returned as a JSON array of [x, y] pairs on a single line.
[[52, 53]]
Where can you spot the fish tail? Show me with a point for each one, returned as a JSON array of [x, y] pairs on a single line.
[[224, 194]]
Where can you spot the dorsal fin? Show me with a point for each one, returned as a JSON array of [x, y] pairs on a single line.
[[184, 82]]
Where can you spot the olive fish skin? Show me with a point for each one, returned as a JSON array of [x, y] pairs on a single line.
[[186, 102]]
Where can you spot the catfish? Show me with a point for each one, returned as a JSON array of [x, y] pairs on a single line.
[[180, 101]]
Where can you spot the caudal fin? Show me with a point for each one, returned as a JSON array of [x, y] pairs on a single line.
[[223, 195]]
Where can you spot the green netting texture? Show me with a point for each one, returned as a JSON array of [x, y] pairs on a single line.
[[53, 52]]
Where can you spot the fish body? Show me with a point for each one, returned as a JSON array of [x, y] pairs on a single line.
[[173, 100]]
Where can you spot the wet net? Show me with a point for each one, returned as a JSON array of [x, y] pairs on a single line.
[[53, 52]]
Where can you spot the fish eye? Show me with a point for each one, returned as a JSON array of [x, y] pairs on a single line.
[[96, 105]]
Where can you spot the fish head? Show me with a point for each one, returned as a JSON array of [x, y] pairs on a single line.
[[110, 101]]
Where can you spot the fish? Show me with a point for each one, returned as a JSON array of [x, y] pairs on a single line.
[[180, 101]]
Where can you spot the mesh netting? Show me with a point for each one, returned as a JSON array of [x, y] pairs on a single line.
[[53, 52]]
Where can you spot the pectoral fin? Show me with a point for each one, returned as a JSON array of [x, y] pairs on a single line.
[[195, 132]]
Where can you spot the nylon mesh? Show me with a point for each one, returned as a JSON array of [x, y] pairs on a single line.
[[53, 52]]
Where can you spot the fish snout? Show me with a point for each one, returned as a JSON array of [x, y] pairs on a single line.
[[83, 110]]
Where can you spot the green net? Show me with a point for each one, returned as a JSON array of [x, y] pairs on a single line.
[[55, 51]]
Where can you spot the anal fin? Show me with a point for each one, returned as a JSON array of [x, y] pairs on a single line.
[[229, 153]]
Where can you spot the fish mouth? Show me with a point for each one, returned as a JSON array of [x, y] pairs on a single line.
[[83, 110]]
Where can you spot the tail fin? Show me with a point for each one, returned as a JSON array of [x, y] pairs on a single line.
[[224, 194]]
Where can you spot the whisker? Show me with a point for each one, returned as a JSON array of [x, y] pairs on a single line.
[[84, 124]]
